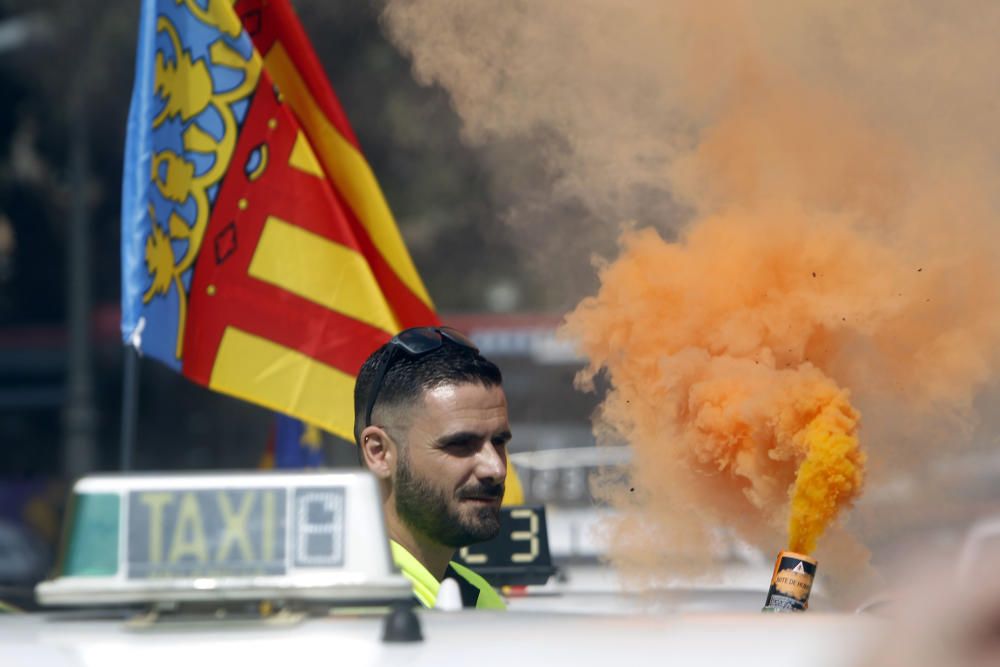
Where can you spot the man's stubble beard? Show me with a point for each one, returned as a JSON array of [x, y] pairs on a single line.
[[427, 510]]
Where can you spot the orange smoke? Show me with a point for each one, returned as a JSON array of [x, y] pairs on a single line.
[[823, 179], [805, 271], [715, 347]]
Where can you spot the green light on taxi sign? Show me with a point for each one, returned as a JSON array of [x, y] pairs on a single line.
[[92, 547]]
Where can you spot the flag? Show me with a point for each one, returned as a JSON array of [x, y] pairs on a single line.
[[259, 256], [293, 444]]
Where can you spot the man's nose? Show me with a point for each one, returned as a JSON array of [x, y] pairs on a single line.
[[491, 463]]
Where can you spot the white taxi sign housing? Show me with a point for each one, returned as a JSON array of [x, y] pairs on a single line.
[[166, 538]]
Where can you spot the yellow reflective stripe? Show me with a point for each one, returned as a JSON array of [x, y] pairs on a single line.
[[425, 585], [348, 170], [488, 597], [321, 271], [285, 380], [6, 608]]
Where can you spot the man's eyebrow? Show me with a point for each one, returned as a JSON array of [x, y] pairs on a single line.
[[466, 436], [503, 436], [458, 438]]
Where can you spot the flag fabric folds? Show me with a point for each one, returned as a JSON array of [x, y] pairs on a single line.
[[259, 256]]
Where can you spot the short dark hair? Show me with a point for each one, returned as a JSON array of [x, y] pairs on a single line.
[[408, 377]]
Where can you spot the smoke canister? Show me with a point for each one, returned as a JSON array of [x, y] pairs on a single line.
[[791, 582]]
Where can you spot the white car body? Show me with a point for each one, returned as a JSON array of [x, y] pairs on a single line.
[[583, 617], [94, 639]]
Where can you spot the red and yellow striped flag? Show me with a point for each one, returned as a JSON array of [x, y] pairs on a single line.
[[259, 255]]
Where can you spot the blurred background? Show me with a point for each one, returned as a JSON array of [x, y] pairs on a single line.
[[66, 72]]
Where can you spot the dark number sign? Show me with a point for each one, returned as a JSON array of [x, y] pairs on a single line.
[[518, 555]]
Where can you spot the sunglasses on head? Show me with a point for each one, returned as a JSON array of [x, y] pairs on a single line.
[[414, 343]]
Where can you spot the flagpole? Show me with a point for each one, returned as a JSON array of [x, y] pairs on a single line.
[[130, 406], [79, 413]]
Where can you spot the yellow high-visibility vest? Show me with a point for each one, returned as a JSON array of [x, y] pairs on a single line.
[[476, 591]]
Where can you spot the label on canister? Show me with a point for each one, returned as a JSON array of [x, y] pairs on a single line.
[[791, 582]]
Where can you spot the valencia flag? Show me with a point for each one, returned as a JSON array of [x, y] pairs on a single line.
[[259, 256]]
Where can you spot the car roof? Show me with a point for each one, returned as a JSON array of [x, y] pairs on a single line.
[[514, 638]]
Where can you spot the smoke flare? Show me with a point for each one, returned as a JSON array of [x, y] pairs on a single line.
[[828, 477]]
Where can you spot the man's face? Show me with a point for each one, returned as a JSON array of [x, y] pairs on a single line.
[[449, 479]]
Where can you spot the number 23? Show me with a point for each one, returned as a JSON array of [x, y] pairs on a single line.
[[530, 536]]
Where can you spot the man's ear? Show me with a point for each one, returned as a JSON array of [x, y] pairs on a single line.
[[378, 451]]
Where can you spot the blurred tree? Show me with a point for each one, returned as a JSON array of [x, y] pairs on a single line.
[[84, 46]]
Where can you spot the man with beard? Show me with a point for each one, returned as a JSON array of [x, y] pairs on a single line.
[[431, 424]]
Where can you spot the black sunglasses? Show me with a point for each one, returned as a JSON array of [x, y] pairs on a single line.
[[414, 342]]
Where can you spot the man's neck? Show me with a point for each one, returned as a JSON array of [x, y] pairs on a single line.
[[432, 555]]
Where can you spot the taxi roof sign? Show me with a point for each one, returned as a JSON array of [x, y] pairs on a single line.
[[168, 538]]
